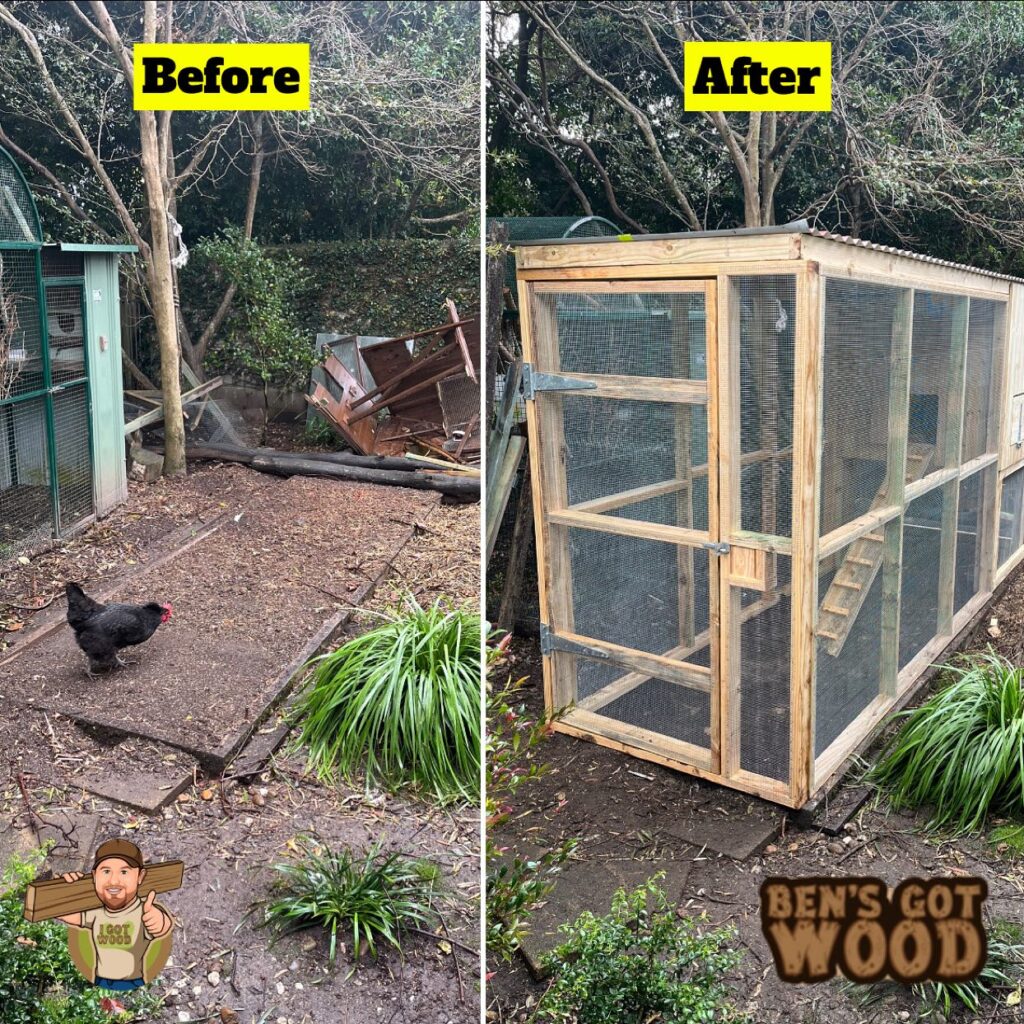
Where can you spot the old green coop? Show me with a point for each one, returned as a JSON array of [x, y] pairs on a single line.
[[62, 456]]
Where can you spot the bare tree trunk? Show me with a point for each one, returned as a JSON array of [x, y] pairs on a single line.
[[160, 280]]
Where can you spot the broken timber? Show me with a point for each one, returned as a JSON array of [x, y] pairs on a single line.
[[157, 414], [57, 898]]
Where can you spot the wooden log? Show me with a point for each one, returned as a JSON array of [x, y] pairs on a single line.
[[237, 453], [57, 898], [466, 488]]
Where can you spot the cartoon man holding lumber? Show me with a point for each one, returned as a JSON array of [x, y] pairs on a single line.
[[117, 940]]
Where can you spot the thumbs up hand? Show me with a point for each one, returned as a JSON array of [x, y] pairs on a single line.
[[153, 918]]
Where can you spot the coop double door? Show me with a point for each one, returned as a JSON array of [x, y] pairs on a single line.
[[625, 422]]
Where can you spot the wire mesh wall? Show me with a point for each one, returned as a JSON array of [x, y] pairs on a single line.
[[675, 561], [1011, 516], [767, 330], [855, 398], [46, 469]]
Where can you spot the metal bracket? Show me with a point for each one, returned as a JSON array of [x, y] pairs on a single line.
[[534, 382], [719, 547], [551, 642]]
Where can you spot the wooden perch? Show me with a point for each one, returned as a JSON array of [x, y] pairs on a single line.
[[57, 898]]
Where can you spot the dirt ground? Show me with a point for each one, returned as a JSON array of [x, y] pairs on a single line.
[[623, 808], [229, 832]]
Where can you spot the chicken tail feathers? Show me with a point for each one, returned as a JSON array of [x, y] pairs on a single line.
[[81, 607]]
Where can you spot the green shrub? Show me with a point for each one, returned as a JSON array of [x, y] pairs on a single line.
[[371, 898], [639, 964], [38, 982], [401, 701], [962, 752]]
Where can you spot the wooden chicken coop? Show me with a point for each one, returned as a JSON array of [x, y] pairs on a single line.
[[776, 472]]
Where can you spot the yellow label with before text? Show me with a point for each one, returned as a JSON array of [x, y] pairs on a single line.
[[221, 76], [757, 76]]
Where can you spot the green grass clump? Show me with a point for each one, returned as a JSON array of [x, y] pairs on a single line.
[[1000, 975], [371, 898], [1012, 835], [962, 752], [401, 702]]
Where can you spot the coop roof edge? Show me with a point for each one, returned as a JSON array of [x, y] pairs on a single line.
[[779, 229], [89, 247]]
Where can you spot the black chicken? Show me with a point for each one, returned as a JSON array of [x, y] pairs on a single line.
[[101, 630]]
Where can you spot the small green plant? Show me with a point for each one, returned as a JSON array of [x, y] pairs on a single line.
[[1010, 835], [370, 898], [38, 982], [401, 701], [515, 885], [640, 963], [962, 752], [1001, 973], [319, 433]]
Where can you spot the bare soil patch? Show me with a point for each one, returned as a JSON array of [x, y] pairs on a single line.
[[247, 600]]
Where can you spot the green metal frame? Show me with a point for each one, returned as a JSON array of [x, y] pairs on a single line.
[[48, 389]]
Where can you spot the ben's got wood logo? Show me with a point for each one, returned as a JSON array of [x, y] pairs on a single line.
[[221, 76], [922, 930], [757, 76]]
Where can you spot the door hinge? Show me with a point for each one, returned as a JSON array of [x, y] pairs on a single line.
[[719, 547], [534, 382], [550, 642]]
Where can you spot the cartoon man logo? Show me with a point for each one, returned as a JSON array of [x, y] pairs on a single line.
[[124, 943]]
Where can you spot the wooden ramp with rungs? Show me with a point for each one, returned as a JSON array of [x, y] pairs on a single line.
[[852, 581]]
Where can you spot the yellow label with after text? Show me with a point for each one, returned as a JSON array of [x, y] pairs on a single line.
[[221, 76], [757, 76]]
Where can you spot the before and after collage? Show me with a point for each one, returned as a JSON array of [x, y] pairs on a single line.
[[511, 512]]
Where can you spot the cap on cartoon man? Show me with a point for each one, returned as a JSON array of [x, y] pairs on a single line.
[[125, 943]]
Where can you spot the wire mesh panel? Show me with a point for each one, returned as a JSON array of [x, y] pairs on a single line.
[[74, 458], [630, 333], [614, 446], [26, 504], [984, 336], [66, 332], [763, 624], [18, 220], [919, 583], [849, 646], [975, 495], [856, 370], [767, 316], [930, 364], [59, 263], [643, 594], [661, 707], [21, 350], [1011, 516]]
